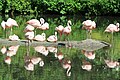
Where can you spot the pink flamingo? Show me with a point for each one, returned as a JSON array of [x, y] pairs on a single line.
[[9, 24], [41, 37], [52, 38], [34, 22], [67, 30], [112, 28], [28, 28], [44, 26], [29, 36], [89, 26], [14, 38], [60, 29]]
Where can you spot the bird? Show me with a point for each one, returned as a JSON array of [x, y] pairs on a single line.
[[44, 26], [111, 63], [35, 23], [29, 28], [89, 54], [60, 29], [40, 38], [89, 25], [112, 28], [52, 38], [14, 37], [29, 36], [67, 30], [9, 24]]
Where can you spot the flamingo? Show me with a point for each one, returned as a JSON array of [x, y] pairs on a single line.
[[112, 28], [29, 28], [9, 24], [89, 54], [60, 29], [14, 37], [67, 65], [52, 38], [86, 65], [29, 36], [8, 60], [89, 26], [35, 23], [44, 26], [67, 30], [111, 63], [41, 37]]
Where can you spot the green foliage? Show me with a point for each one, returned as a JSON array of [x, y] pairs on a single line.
[[84, 7]]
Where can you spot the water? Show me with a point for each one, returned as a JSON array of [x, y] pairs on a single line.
[[53, 65]]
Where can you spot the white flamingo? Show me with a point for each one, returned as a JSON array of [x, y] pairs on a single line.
[[41, 37], [52, 38], [14, 37]]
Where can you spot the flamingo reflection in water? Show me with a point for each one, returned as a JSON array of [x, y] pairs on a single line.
[[89, 26], [42, 49], [89, 54], [8, 60], [66, 63], [112, 64], [3, 50], [86, 65], [31, 61], [10, 51]]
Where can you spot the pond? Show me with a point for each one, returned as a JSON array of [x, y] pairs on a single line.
[[39, 62]]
